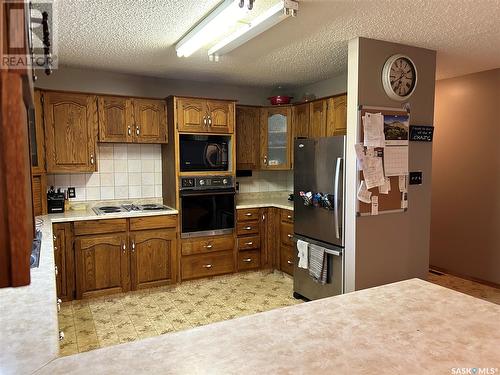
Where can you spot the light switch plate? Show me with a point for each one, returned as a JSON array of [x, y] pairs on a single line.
[[415, 178]]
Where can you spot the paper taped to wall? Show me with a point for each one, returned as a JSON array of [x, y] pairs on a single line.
[[386, 187], [364, 194], [374, 205], [373, 128], [396, 160], [373, 172], [360, 154], [402, 184]]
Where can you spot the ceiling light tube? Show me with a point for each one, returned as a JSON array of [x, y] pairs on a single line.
[[265, 21], [211, 27]]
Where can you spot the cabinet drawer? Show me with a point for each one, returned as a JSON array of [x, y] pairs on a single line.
[[99, 226], [248, 260], [247, 227], [247, 214], [153, 222], [287, 259], [287, 216], [249, 243], [207, 265], [286, 234], [207, 244]]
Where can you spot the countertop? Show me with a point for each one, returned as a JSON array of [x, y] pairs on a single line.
[[410, 327], [258, 200]]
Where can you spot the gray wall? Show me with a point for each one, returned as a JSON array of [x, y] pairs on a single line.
[[327, 87], [393, 247], [466, 176], [104, 82]]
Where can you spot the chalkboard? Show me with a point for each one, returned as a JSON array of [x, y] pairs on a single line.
[[421, 133]]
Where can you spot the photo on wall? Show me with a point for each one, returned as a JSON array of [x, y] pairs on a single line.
[[396, 130]]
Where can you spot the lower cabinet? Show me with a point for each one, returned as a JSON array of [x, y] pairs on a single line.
[[64, 261], [250, 239], [287, 245]]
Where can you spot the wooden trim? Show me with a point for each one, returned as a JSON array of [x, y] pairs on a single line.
[[100, 94], [199, 97], [462, 276]]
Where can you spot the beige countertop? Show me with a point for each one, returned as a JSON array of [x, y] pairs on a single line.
[[258, 200], [410, 327]]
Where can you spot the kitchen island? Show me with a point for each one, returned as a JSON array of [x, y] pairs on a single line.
[[410, 327]]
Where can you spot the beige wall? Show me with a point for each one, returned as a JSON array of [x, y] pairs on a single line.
[[390, 247], [465, 231]]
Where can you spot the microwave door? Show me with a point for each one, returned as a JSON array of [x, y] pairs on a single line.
[[213, 154]]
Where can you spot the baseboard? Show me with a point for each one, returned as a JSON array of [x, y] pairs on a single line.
[[438, 270]]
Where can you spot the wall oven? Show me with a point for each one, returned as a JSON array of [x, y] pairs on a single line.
[[207, 206], [203, 152]]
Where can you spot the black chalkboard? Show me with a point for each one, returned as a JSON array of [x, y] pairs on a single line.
[[421, 133]]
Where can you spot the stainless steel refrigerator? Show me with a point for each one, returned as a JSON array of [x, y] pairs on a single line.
[[319, 168]]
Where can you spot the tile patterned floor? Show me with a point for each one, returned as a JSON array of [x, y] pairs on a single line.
[[94, 323]]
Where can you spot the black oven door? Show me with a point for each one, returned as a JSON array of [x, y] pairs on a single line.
[[207, 213]]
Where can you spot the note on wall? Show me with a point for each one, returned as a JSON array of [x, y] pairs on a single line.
[[386, 187], [396, 160], [373, 129], [373, 172], [364, 194]]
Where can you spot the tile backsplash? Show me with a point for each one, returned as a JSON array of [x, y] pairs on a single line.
[[262, 181], [124, 172]]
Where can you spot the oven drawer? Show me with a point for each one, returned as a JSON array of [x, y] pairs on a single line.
[[249, 243], [247, 214], [206, 244], [287, 216], [286, 259], [248, 260], [207, 265], [286, 234], [247, 228]]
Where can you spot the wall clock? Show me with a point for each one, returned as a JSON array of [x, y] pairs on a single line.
[[399, 77]]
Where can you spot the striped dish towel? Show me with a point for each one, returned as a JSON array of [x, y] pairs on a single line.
[[317, 263]]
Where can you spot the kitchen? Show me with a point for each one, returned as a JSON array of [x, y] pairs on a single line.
[[176, 210]]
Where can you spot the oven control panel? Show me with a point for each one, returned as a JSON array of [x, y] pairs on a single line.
[[206, 182]]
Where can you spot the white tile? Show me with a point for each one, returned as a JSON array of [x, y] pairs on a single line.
[[62, 180], [121, 192], [120, 152], [93, 180], [107, 192], [148, 191], [148, 179], [156, 149], [80, 194], [157, 178], [107, 179], [120, 165], [134, 166], [134, 179], [158, 191], [106, 166], [158, 166], [121, 179], [147, 152], [78, 180], [133, 152], [92, 193], [105, 152], [135, 192], [147, 166]]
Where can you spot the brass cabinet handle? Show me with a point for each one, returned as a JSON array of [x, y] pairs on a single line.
[[247, 260], [124, 247], [92, 159], [209, 120], [207, 266], [129, 130], [133, 246], [290, 235], [56, 270], [289, 262], [249, 243], [55, 248], [209, 246], [289, 216], [55, 237], [248, 228], [248, 214], [137, 130], [61, 335], [205, 120], [265, 159]]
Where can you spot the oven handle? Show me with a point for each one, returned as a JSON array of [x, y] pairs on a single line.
[[194, 193]]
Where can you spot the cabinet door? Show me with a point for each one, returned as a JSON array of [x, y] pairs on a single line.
[[191, 115], [337, 116], [247, 137], [150, 119], [64, 260], [102, 265], [37, 137], [39, 190], [153, 254], [220, 116], [114, 119], [70, 132], [301, 120], [317, 122], [276, 138]]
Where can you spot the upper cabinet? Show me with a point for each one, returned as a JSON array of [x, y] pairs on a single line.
[[337, 116], [247, 137], [276, 138], [205, 116], [70, 132], [317, 118], [128, 120], [37, 137], [301, 120]]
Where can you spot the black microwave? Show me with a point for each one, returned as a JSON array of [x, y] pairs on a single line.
[[203, 153]]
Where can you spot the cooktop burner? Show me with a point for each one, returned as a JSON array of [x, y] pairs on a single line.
[[129, 208], [152, 207], [108, 210]]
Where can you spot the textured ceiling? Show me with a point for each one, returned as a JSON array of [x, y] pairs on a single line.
[[139, 36]]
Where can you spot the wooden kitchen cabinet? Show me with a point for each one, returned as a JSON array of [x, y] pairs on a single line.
[[153, 253], [337, 116], [37, 137], [196, 115], [276, 138], [129, 120], [102, 264], [70, 132], [317, 119], [248, 137], [286, 243], [300, 114], [65, 261], [39, 190]]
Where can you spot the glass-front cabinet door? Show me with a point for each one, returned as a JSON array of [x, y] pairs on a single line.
[[276, 138]]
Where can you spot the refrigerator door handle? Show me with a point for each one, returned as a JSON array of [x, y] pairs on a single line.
[[336, 197]]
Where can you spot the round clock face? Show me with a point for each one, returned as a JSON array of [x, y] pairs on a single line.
[[399, 77]]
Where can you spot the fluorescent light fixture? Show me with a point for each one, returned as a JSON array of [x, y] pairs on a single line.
[[218, 22], [263, 22]]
